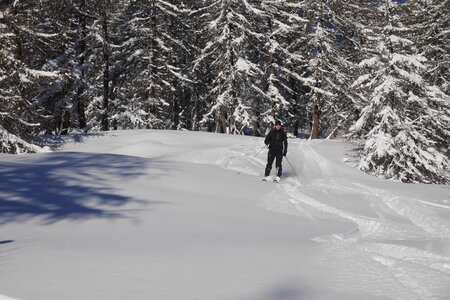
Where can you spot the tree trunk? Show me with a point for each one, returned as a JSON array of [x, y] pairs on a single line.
[[175, 114], [104, 119], [315, 132], [316, 117], [221, 122], [81, 108], [65, 123], [275, 108]]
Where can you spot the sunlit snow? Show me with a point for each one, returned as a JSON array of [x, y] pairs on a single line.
[[184, 215]]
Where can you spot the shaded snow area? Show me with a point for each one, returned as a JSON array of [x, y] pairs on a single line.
[[185, 215]]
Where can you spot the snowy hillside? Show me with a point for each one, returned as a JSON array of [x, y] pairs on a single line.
[[184, 215]]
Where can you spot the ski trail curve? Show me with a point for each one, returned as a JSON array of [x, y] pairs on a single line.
[[389, 248], [391, 235]]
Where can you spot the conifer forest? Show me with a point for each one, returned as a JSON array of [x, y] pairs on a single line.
[[375, 72]]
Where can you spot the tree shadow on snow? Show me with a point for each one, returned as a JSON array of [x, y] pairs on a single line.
[[286, 291], [65, 185], [54, 142], [6, 242]]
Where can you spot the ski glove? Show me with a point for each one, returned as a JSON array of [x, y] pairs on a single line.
[[284, 153]]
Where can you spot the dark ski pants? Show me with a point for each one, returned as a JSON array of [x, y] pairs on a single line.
[[270, 158]]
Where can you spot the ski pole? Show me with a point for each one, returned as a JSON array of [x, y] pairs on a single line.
[[254, 156], [295, 173], [262, 148]]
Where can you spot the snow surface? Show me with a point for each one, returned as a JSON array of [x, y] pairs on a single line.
[[184, 215]]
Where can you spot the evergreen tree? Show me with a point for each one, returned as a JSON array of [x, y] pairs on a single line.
[[60, 99], [430, 36], [331, 45], [200, 72], [21, 74], [79, 98], [154, 53], [400, 126], [78, 49], [229, 33], [431, 22], [284, 66], [103, 27]]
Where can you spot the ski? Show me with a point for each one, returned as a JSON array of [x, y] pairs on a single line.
[[268, 179]]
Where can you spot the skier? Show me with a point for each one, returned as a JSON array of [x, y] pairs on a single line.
[[276, 140]]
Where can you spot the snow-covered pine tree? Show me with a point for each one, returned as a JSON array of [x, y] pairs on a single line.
[[343, 109], [20, 75], [155, 79], [331, 45], [431, 36], [78, 86], [102, 18], [81, 67], [229, 33], [61, 98], [124, 52], [431, 21], [202, 81], [76, 98], [80, 98], [398, 123], [179, 34], [195, 94], [105, 23], [284, 68]]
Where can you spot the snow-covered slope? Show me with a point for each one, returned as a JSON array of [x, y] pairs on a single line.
[[184, 215]]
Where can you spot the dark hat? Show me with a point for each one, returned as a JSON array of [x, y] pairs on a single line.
[[277, 122]]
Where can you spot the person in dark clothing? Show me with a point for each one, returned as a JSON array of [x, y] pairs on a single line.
[[277, 142]]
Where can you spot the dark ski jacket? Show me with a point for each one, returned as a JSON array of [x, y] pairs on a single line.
[[277, 140]]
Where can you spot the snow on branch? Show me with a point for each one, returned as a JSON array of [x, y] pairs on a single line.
[[35, 33], [414, 60], [398, 40], [253, 9], [10, 143], [370, 62], [179, 75], [208, 8], [38, 73], [410, 76], [173, 8]]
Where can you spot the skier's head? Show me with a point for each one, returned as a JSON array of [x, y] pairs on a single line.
[[277, 124]]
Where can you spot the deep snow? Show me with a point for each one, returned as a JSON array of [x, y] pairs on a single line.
[[184, 215]]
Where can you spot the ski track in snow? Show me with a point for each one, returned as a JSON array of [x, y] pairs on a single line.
[[6, 298], [380, 250]]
